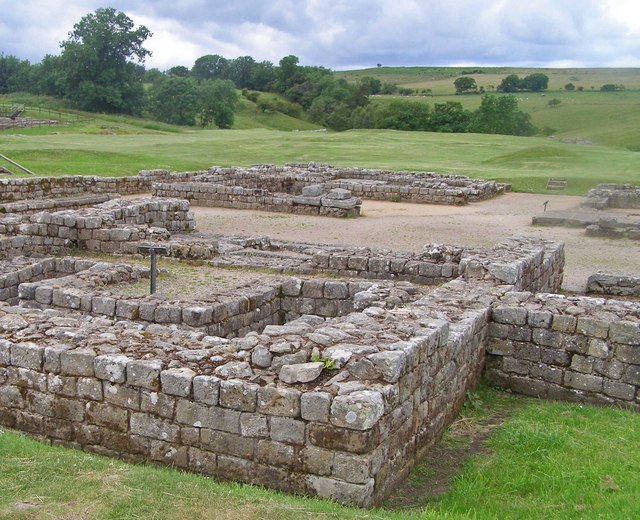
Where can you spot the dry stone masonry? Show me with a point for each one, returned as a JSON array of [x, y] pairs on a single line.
[[606, 196], [329, 377]]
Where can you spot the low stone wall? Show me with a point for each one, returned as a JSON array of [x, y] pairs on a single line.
[[578, 348], [23, 189], [339, 406], [30, 207], [612, 227], [313, 201], [606, 196], [614, 284]]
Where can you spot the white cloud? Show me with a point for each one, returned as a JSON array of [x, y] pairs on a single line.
[[342, 33]]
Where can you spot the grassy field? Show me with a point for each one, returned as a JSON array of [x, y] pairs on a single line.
[[581, 464], [440, 79]]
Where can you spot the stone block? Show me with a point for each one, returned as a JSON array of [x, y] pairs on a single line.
[[313, 289], [284, 402], [89, 388], [632, 375], [336, 290], [144, 374], [127, 310], [177, 381], [157, 403], [111, 367], [359, 410], [315, 406], [342, 492], [238, 395], [509, 315], [120, 395], [563, 323], [103, 305], [619, 390], [580, 381], [69, 410], [11, 397], [111, 417], [77, 362], [301, 372], [254, 425], [227, 443], [628, 353], [274, 453], [206, 389], [148, 426], [286, 429], [592, 327], [626, 332], [352, 468], [5, 352], [27, 355], [197, 316], [391, 364]]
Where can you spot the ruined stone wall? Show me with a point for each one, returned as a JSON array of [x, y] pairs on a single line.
[[31, 188], [571, 348], [30, 207], [605, 196], [614, 284], [335, 203], [264, 408]]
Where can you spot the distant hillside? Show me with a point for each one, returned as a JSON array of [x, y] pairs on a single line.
[[440, 79]]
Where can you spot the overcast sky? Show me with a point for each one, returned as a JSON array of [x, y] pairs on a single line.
[[345, 34]]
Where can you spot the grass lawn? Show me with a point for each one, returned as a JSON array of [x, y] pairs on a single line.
[[547, 460], [527, 163]]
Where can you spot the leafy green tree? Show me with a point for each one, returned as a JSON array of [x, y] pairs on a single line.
[[611, 87], [14, 74], [569, 87], [512, 83], [175, 100], [98, 62], [536, 82], [210, 66], [449, 117], [217, 100], [48, 77], [240, 71], [465, 85], [404, 115], [179, 71], [500, 115], [372, 85], [263, 75], [153, 76]]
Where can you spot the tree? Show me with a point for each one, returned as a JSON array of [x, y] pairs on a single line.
[[512, 83], [98, 62], [217, 100], [500, 115], [465, 85], [14, 74], [179, 71], [210, 66], [175, 100], [404, 115], [449, 117], [373, 85], [536, 82], [569, 87]]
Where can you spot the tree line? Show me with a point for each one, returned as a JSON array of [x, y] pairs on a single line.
[[101, 69]]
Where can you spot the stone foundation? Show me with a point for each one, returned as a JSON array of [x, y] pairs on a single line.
[[606, 196], [614, 284]]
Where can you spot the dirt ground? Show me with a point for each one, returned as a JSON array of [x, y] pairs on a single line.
[[409, 227]]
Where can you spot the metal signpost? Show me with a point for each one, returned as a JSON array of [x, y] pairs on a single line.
[[153, 251]]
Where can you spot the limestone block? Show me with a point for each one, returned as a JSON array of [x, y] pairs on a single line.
[[144, 373], [632, 375], [238, 395], [177, 381], [352, 468], [111, 367], [261, 357], [70, 410], [391, 364], [127, 309], [284, 402], [5, 352], [509, 315], [148, 426], [341, 491], [89, 388], [289, 430], [77, 362], [27, 355], [338, 194], [626, 332], [314, 190], [197, 316], [234, 370], [206, 389], [619, 390], [254, 425], [359, 410], [121, 395], [583, 381], [315, 406], [336, 290], [103, 305], [592, 327], [301, 372]]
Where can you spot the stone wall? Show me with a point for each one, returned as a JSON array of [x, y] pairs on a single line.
[[606, 196], [337, 404], [313, 201], [29, 207], [614, 284], [571, 348]]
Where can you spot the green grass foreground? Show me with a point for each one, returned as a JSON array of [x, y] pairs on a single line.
[[547, 460]]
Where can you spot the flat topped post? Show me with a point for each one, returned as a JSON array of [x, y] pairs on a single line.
[[153, 251]]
